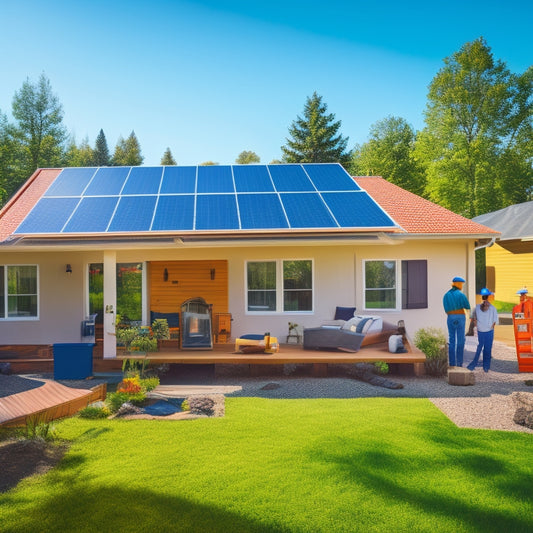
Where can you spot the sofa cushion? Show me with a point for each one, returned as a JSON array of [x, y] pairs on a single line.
[[344, 313]]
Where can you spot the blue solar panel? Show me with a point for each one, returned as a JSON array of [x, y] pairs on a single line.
[[216, 212], [71, 182], [174, 213], [134, 213], [143, 180], [261, 211], [252, 178], [107, 181], [330, 177], [306, 211], [206, 198], [92, 215], [48, 216], [356, 209], [290, 178], [179, 180], [214, 179]]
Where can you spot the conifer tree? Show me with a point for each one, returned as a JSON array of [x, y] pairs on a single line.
[[128, 152], [315, 136], [168, 158], [101, 154]]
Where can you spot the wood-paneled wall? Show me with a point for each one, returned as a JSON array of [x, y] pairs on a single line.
[[188, 279]]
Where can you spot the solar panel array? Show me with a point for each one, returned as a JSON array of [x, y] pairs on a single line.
[[203, 198]]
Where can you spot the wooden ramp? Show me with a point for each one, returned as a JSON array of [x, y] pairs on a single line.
[[47, 402]]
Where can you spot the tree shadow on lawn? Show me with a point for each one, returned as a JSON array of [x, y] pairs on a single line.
[[81, 509], [382, 471]]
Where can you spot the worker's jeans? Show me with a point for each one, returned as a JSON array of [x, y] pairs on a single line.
[[485, 340], [456, 339]]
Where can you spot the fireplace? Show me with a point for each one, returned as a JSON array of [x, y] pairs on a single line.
[[196, 331]]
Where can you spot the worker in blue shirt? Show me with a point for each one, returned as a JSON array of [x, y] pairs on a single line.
[[455, 303]]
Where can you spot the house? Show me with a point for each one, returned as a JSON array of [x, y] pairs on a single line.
[[509, 263], [270, 244]]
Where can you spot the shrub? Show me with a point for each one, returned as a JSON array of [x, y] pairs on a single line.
[[381, 367], [432, 342], [116, 399], [185, 406], [92, 412], [38, 427], [148, 384], [130, 385]]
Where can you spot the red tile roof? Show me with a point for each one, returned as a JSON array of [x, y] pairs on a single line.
[[24, 199], [415, 214]]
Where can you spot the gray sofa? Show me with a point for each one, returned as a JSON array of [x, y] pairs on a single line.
[[325, 338]]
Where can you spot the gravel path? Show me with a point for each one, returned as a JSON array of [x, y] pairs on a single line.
[[487, 404]]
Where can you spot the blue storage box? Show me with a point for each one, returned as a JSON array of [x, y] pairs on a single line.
[[73, 360]]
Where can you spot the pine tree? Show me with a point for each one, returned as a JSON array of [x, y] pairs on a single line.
[[315, 137], [128, 152], [168, 158], [101, 154]]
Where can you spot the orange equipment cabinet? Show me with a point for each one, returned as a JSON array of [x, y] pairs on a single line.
[[222, 327], [523, 333]]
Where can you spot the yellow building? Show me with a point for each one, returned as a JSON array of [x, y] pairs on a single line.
[[510, 259]]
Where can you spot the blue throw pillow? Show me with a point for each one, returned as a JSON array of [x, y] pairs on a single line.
[[361, 325], [344, 313]]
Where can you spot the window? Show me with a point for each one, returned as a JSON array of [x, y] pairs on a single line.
[[280, 286], [382, 290], [18, 291]]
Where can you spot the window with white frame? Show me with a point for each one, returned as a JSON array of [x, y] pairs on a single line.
[[279, 286], [19, 291], [389, 282]]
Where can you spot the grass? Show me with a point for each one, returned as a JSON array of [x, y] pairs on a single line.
[[504, 307], [327, 465]]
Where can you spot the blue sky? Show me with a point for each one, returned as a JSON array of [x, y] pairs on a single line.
[[211, 79]]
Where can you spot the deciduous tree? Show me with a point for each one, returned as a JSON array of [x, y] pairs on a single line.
[[389, 153], [477, 145], [247, 157], [39, 125], [315, 136]]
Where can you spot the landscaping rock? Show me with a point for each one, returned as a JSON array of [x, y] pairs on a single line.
[[460, 376], [128, 409], [524, 409]]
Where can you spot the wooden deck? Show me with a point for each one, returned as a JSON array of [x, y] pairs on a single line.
[[288, 354], [48, 402]]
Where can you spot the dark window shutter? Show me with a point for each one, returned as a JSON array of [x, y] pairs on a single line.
[[415, 284]]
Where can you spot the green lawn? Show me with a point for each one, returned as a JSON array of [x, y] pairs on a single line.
[[325, 465]]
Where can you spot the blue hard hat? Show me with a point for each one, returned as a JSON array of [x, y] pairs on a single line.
[[458, 279], [486, 292], [522, 291]]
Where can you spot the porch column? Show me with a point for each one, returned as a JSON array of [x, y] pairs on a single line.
[[110, 303]]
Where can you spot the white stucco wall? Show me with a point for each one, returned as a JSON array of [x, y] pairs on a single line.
[[337, 281]]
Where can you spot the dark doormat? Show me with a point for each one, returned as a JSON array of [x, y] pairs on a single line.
[[188, 375]]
